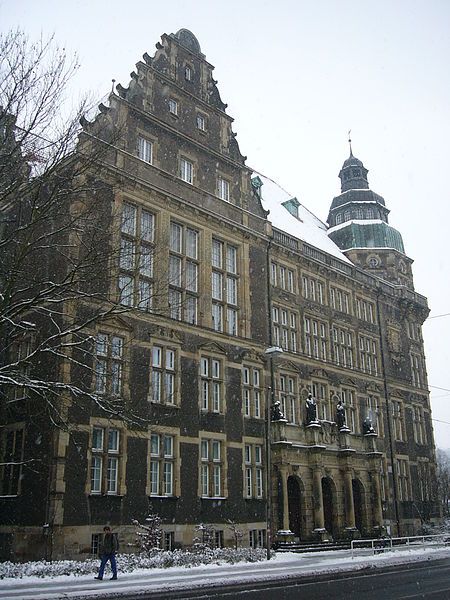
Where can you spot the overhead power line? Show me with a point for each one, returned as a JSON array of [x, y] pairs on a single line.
[[437, 316]]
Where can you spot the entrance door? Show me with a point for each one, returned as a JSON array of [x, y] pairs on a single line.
[[294, 498]]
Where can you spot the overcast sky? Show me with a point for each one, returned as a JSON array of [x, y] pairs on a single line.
[[297, 75]]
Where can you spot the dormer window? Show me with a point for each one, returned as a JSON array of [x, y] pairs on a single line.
[[173, 107], [188, 73], [292, 206], [338, 218]]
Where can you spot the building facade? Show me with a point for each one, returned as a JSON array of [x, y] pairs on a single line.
[[215, 265]]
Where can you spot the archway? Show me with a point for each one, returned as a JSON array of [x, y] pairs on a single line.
[[294, 502], [328, 512], [358, 502]]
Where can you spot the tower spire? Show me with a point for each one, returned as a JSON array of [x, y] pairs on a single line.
[[350, 142]]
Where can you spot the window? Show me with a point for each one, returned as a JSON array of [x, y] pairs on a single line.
[[339, 300], [351, 416], [319, 392], [201, 122], [108, 364], [403, 479], [252, 392], [173, 106], [374, 414], [136, 257], [211, 468], [211, 385], [163, 366], [186, 171], [224, 287], [253, 471], [315, 335], [398, 421], [285, 328], [223, 189], [417, 371], [145, 150], [288, 398], [188, 72], [96, 539], [162, 457], [312, 289], [11, 457], [419, 425], [368, 356], [22, 352], [105, 459], [342, 346], [257, 538], [338, 218], [365, 310], [183, 273]]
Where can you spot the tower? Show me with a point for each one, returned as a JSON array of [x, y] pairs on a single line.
[[359, 225]]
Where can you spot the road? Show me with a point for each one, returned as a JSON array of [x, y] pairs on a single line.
[[407, 575], [430, 581]]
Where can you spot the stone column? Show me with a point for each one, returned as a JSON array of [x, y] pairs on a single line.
[[284, 478], [319, 521], [349, 504], [376, 506]]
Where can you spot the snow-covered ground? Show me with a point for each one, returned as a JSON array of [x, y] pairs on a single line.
[[284, 565]]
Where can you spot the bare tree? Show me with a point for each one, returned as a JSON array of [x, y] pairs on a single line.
[[443, 480], [57, 244]]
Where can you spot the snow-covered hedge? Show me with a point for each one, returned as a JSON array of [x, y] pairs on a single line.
[[130, 562]]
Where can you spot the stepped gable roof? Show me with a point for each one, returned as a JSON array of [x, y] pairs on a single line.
[[306, 227]]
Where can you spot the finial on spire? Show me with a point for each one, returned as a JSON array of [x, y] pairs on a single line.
[[350, 142], [113, 82]]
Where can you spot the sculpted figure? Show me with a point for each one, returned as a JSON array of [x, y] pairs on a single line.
[[340, 414], [311, 409]]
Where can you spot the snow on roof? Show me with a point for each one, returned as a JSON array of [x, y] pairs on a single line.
[[307, 227], [357, 222]]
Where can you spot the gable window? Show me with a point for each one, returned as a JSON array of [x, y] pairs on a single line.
[[201, 122], [105, 460], [211, 385], [145, 150], [11, 458], [186, 171], [173, 106], [162, 457], [183, 273], [163, 365], [108, 364], [223, 189]]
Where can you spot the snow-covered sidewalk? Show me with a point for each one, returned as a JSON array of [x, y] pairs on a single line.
[[157, 580]]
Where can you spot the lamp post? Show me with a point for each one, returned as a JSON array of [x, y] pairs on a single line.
[[271, 353]]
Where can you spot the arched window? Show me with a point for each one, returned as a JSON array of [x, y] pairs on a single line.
[[338, 218]]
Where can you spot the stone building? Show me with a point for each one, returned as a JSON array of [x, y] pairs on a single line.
[[218, 270]]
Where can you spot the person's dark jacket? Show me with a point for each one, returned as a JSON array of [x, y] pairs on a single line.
[[110, 544]]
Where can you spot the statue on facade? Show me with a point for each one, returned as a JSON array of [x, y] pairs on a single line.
[[276, 415], [340, 415], [367, 426], [311, 409]]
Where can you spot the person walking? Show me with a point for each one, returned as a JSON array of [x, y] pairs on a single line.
[[107, 552]]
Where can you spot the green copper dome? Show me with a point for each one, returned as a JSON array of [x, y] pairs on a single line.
[[367, 235]]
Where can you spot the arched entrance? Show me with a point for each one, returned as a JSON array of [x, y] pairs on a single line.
[[328, 513], [294, 502], [358, 502]]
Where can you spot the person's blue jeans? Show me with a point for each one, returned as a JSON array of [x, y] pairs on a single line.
[[112, 560]]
